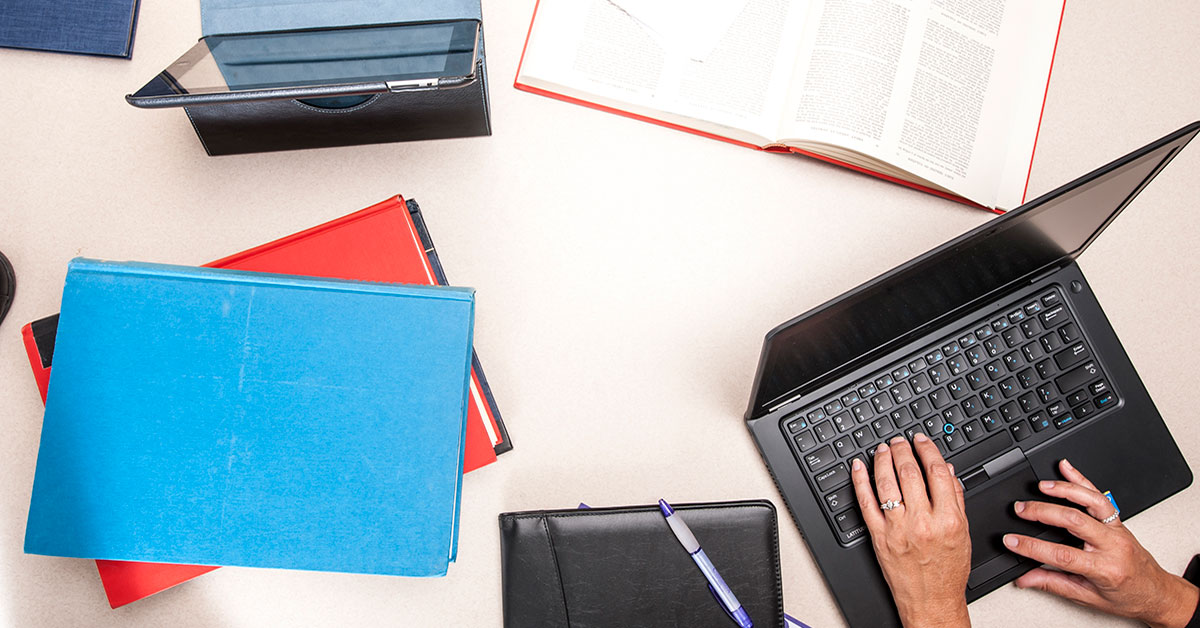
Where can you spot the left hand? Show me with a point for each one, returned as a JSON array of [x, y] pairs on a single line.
[[923, 545]]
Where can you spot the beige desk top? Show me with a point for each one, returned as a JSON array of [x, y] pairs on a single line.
[[626, 275]]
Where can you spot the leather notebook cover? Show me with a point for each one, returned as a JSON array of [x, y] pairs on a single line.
[[619, 567], [92, 27]]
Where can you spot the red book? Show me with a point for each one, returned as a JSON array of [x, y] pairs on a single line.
[[386, 242]]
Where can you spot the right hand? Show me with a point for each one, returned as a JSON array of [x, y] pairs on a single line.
[[1113, 572]]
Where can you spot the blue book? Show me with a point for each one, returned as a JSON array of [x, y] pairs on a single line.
[[219, 417], [95, 27]]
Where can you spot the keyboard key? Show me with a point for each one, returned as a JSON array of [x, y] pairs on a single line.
[[816, 415], [1106, 400], [901, 392], [973, 431], [1045, 369], [972, 406], [953, 415], [917, 364], [1010, 411], [1051, 300], [1008, 387], [833, 407], [967, 341], [933, 425], [990, 422], [951, 349], [902, 373], [1039, 421], [1073, 355], [819, 459], [867, 389], [883, 427], [921, 408], [1077, 377], [1053, 316], [1077, 398], [849, 520], [1030, 328], [1012, 336], [825, 431], [993, 346], [843, 421], [1027, 378], [955, 441], [884, 381], [976, 379], [983, 332], [833, 478], [1069, 332], [1064, 421], [1020, 431], [901, 416], [881, 402], [975, 355], [862, 412], [797, 424], [1033, 308], [1051, 342], [939, 398], [840, 500], [956, 364], [935, 356], [843, 446], [863, 436], [911, 431], [1098, 387], [805, 440], [1032, 352], [990, 397], [1056, 409], [938, 374], [994, 369], [850, 398], [1000, 324], [1016, 316], [921, 384], [958, 389], [1012, 361], [1084, 411], [1028, 402]]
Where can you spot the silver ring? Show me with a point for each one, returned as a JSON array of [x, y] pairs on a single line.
[[891, 504], [1111, 518]]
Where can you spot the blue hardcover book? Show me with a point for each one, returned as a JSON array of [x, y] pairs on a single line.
[[220, 417], [94, 27]]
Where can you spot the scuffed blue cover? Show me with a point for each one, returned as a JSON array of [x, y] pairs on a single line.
[[219, 417], [97, 27], [224, 17]]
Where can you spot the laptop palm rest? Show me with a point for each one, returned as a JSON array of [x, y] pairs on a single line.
[[990, 493]]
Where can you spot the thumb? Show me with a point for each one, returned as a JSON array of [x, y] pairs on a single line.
[[1070, 586]]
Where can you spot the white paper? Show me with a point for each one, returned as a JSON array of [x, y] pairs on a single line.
[[691, 27]]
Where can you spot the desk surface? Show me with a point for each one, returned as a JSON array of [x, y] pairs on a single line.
[[626, 275]]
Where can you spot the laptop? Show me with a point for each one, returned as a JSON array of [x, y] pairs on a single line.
[[992, 344]]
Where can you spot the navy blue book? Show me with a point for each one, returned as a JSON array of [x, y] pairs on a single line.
[[92, 27]]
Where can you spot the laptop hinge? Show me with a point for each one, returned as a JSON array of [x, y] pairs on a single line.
[[412, 84], [1047, 273]]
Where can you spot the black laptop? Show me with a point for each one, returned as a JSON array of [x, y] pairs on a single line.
[[992, 344]]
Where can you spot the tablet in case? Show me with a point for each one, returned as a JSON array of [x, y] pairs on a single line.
[[322, 77]]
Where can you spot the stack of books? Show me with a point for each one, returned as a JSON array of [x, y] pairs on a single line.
[[291, 406]]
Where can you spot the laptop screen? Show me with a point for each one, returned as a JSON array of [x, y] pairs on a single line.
[[901, 303]]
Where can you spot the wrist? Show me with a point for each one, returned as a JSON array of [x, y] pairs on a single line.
[[947, 614], [1179, 601]]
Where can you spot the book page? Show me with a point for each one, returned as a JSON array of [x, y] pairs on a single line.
[[940, 89], [596, 51]]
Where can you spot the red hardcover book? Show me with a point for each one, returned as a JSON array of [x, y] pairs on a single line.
[[386, 242]]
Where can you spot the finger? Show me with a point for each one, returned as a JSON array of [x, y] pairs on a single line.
[[1097, 505], [912, 481], [1058, 556], [958, 489], [1071, 473], [1070, 519], [886, 485], [937, 475], [1073, 587], [867, 502]]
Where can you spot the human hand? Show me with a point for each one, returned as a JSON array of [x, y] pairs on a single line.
[[923, 545], [1113, 572]]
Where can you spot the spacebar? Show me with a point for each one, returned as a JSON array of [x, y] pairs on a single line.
[[980, 452]]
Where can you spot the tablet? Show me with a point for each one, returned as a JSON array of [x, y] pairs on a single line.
[[316, 63]]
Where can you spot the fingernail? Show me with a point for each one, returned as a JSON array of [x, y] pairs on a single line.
[[950, 467], [857, 464], [1019, 507], [1046, 485], [897, 440], [920, 438], [1010, 540], [1067, 463], [881, 448]]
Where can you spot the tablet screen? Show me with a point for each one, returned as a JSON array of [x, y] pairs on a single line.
[[289, 59]]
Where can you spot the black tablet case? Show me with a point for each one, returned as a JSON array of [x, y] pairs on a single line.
[[610, 567]]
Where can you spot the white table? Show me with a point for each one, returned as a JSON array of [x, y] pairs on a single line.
[[626, 275]]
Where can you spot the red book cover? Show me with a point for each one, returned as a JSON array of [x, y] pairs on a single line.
[[379, 243]]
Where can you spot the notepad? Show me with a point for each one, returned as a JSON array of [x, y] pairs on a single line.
[[211, 416]]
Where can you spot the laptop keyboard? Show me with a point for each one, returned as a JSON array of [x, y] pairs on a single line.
[[1017, 379]]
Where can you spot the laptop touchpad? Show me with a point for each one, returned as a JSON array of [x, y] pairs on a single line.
[[990, 515]]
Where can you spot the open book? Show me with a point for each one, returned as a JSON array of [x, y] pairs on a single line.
[[941, 95]]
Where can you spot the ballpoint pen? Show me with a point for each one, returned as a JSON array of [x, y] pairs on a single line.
[[688, 540]]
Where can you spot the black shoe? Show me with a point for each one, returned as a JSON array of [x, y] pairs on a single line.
[[8, 285]]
